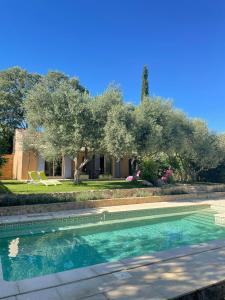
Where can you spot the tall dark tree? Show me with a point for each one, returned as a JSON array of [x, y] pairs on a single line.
[[144, 87], [14, 85]]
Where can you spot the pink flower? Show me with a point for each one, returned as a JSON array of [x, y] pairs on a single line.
[[130, 178], [164, 178], [138, 174], [169, 172]]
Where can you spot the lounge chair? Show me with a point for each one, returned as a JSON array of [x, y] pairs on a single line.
[[33, 177], [36, 179], [43, 177]]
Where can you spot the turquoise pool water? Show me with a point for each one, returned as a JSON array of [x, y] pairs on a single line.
[[27, 255]]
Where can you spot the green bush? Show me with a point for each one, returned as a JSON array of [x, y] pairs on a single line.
[[216, 175], [170, 180], [149, 169]]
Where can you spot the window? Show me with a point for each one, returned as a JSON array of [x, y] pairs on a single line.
[[53, 168]]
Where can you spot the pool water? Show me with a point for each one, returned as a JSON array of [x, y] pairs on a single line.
[[30, 255]]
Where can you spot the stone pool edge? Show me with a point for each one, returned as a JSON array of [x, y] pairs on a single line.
[[10, 289], [22, 287], [92, 211]]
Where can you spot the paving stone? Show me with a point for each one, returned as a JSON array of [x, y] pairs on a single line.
[[106, 268], [135, 262], [76, 274], [133, 292], [144, 275], [8, 289], [1, 271], [48, 294], [207, 275], [122, 275], [184, 279], [217, 256], [38, 283], [88, 287], [173, 288]]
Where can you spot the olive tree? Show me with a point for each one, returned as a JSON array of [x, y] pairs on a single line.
[[119, 139], [64, 121], [60, 117], [150, 121], [204, 150]]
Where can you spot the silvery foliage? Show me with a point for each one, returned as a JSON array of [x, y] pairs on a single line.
[[63, 119]]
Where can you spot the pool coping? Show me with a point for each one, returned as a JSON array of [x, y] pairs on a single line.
[[22, 287], [91, 211]]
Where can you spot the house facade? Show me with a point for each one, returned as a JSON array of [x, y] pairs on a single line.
[[100, 166]]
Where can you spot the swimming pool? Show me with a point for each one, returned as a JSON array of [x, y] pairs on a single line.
[[38, 248]]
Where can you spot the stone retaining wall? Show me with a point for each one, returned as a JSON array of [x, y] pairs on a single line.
[[52, 207]]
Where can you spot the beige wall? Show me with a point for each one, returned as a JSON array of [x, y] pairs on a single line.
[[24, 161], [124, 167], [6, 171]]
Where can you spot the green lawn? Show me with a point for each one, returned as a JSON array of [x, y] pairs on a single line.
[[17, 187]]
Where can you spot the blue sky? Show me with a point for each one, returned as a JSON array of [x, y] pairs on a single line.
[[100, 41]]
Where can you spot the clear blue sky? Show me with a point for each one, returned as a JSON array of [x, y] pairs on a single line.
[[100, 41]]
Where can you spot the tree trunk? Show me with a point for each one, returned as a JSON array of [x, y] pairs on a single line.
[[134, 166], [78, 168], [77, 175], [193, 176]]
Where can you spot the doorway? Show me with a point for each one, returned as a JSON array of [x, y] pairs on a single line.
[[53, 168]]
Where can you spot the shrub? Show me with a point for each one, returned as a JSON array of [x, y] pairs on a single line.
[[149, 169], [171, 191], [118, 194], [170, 180], [142, 193], [85, 196]]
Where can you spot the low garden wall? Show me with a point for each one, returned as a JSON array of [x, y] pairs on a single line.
[[53, 207]]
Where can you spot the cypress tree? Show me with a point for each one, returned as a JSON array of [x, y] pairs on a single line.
[[144, 88]]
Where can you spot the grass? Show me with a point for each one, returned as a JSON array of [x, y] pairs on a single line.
[[20, 193], [17, 187]]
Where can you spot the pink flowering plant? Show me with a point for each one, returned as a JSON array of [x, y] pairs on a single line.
[[135, 177], [130, 178], [167, 176]]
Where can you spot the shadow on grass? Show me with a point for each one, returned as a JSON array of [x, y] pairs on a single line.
[[112, 184], [4, 189], [12, 182]]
